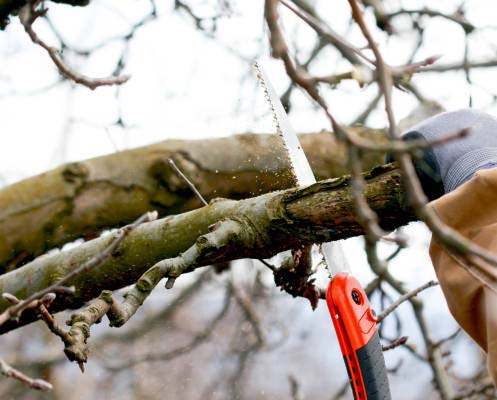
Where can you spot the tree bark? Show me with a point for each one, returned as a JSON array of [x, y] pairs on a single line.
[[272, 222], [83, 198]]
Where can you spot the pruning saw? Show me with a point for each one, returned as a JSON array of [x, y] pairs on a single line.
[[353, 318]]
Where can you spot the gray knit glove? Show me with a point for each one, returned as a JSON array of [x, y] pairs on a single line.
[[442, 168]]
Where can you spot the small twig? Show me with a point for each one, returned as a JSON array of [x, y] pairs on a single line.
[[285, 97], [188, 182], [456, 17], [341, 392], [460, 66], [403, 298], [394, 254], [363, 116], [42, 305], [28, 16], [448, 338], [45, 300], [196, 341], [198, 20], [295, 388], [249, 312], [384, 297], [365, 215], [52, 323], [413, 67], [11, 372], [352, 53], [270, 266], [396, 343]]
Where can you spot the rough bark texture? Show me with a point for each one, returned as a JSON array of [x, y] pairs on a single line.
[[81, 199], [279, 220]]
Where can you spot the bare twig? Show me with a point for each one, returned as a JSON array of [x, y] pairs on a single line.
[[189, 183], [10, 372], [396, 343], [458, 18], [354, 55], [196, 341], [295, 388], [363, 116], [28, 15], [365, 215], [285, 97], [444, 340], [460, 66], [249, 312], [403, 298]]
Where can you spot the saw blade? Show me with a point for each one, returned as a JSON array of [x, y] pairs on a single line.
[[299, 163], [333, 253]]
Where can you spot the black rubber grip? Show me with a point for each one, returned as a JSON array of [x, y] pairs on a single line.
[[373, 369]]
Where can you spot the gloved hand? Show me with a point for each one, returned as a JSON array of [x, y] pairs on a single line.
[[471, 210], [444, 167]]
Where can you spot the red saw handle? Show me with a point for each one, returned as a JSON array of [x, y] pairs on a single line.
[[355, 326]]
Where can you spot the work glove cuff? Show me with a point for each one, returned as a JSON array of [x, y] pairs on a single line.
[[465, 166]]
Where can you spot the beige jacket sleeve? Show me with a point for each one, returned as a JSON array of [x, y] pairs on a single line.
[[471, 209]]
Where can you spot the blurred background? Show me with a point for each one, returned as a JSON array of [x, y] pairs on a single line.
[[190, 63]]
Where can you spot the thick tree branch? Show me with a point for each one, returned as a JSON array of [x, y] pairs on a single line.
[[31, 301], [271, 223], [81, 199]]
